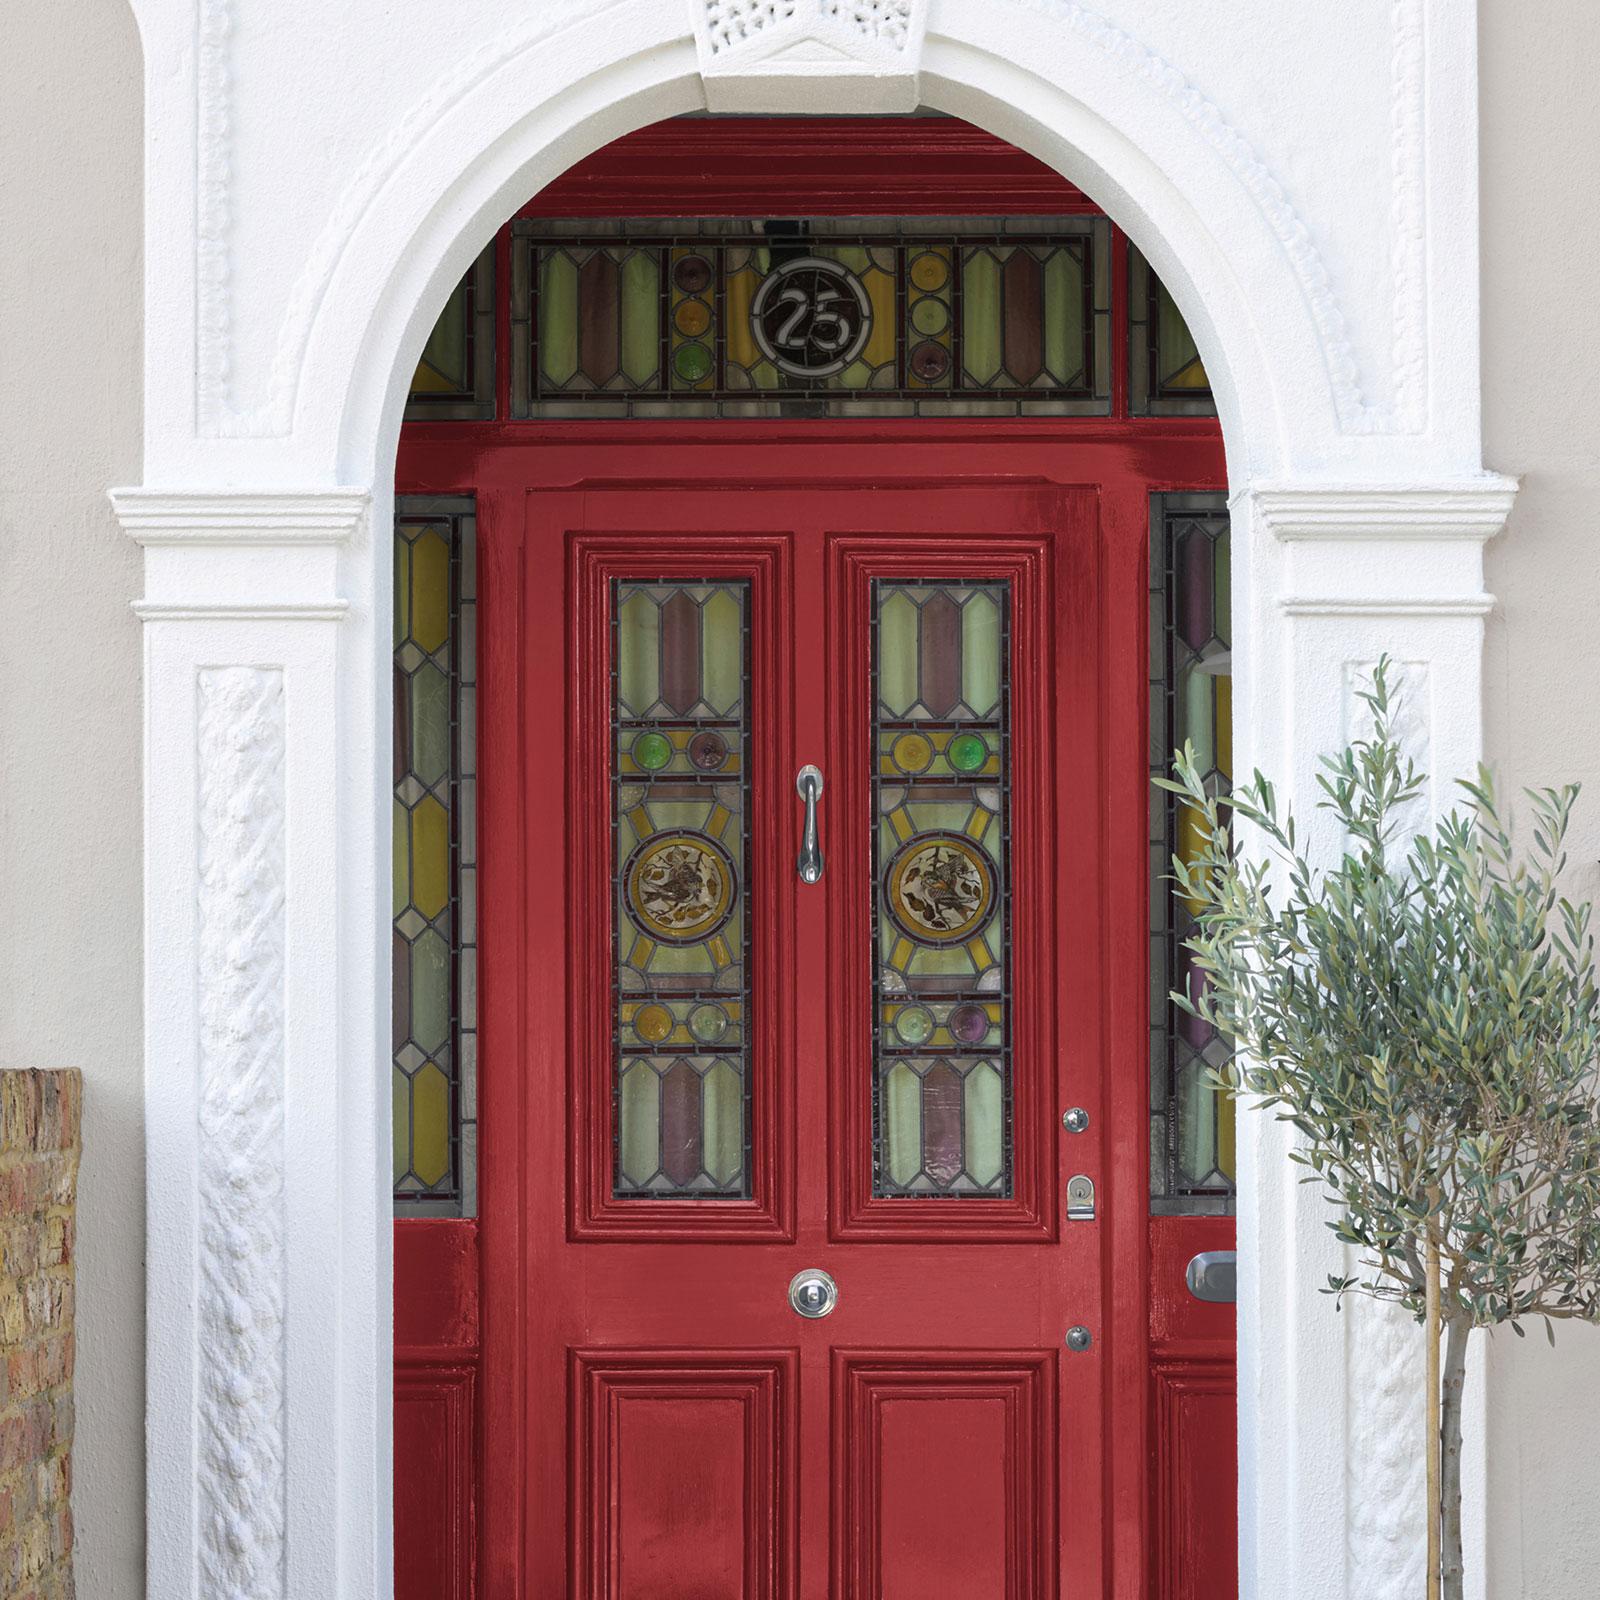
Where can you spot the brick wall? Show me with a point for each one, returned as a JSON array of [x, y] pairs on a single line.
[[39, 1145]]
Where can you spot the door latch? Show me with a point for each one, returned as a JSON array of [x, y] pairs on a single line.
[[1080, 1198], [808, 785]]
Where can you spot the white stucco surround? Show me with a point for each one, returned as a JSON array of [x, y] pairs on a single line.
[[317, 177]]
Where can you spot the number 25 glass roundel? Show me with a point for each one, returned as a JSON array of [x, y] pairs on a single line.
[[811, 317]]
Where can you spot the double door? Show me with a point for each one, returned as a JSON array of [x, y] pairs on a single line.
[[808, 865]]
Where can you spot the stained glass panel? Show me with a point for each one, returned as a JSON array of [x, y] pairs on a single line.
[[940, 781], [454, 380], [1165, 374], [434, 870], [1191, 698], [680, 800], [818, 317]]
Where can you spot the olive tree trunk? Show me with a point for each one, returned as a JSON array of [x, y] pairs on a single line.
[[1457, 1331]]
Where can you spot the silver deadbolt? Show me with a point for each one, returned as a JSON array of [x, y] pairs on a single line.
[[813, 1293], [1080, 1198], [1079, 1339]]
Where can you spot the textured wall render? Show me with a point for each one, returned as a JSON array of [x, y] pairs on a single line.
[[39, 1149]]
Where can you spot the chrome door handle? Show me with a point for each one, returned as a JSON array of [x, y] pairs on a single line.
[[808, 785]]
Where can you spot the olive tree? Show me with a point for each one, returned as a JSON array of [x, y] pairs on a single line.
[[1424, 1014]]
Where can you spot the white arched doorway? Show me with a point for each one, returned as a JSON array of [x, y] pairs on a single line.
[[275, 385]]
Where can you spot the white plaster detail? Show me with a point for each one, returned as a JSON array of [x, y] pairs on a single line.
[[214, 179], [154, 517], [1407, 219], [758, 55], [1473, 509], [1477, 605], [1385, 1489], [241, 611], [242, 1510]]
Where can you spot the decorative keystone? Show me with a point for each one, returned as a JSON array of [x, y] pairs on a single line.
[[776, 55]]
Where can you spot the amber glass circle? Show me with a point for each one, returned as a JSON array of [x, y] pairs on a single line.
[[692, 317]]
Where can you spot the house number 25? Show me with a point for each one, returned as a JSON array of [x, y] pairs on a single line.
[[811, 317]]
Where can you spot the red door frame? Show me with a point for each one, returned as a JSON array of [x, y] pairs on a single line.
[[461, 1286]]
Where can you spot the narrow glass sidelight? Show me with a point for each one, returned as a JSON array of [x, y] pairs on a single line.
[[940, 791], [680, 806]]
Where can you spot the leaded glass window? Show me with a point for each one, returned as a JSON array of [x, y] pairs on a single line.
[[435, 858], [940, 779], [817, 317], [680, 804], [1191, 699], [454, 380], [1166, 376]]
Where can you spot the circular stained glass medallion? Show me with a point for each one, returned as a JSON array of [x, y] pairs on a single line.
[[709, 1024], [652, 751], [708, 750], [692, 362], [912, 752], [652, 1023], [968, 752], [811, 317], [930, 362], [692, 317], [679, 887], [940, 888], [970, 1024], [914, 1025], [691, 273]]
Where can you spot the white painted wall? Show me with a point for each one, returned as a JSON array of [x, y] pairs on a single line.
[[69, 666], [70, 193], [1541, 366]]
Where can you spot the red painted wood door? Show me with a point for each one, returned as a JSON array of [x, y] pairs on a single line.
[[678, 1429]]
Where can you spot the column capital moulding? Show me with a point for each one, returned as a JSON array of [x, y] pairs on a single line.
[[1470, 508], [154, 517]]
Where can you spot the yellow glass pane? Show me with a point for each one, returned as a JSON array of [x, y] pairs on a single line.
[[402, 858], [430, 857], [430, 1124], [400, 1096], [430, 599]]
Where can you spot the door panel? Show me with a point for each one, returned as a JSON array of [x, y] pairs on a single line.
[[718, 1443]]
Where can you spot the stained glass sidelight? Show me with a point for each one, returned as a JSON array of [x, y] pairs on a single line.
[[435, 871], [818, 317], [1191, 698], [1165, 374], [940, 779], [454, 380], [680, 799]]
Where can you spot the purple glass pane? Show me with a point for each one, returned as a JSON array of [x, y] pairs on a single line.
[[941, 1125], [680, 653], [680, 1124], [941, 654]]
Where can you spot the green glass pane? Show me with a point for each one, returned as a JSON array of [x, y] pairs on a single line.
[[723, 1122], [902, 1116], [641, 317], [722, 648], [430, 723], [897, 653], [1197, 1122], [558, 317], [640, 1138], [980, 653], [639, 647], [1196, 719], [443, 368], [985, 1112], [1063, 316], [1180, 363], [980, 316], [402, 587], [430, 992]]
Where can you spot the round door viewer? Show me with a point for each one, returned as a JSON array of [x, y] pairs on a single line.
[[811, 317]]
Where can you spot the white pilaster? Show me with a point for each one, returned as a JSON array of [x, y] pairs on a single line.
[[1331, 1405], [263, 1450]]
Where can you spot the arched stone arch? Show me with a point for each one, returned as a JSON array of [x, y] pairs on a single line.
[[273, 406]]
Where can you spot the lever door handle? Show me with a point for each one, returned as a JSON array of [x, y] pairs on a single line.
[[808, 785]]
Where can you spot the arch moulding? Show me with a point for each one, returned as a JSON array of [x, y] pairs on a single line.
[[313, 191]]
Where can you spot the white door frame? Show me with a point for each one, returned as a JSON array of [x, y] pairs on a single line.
[[314, 189]]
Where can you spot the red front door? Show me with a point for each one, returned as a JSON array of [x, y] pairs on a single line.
[[731, 1076]]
